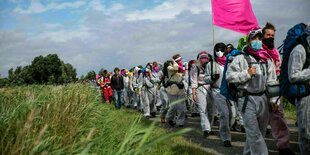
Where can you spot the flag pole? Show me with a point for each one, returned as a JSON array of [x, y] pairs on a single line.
[[213, 34], [212, 25]]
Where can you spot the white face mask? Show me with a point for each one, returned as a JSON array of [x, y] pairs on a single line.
[[219, 53]]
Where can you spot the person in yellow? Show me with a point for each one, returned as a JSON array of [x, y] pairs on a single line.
[[176, 92]]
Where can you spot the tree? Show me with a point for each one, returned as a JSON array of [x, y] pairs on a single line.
[[39, 70], [91, 75], [43, 70], [53, 64], [11, 75]]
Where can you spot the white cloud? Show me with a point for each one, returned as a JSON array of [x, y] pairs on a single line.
[[170, 9], [96, 5], [65, 35], [104, 38], [53, 26], [117, 7], [37, 7]]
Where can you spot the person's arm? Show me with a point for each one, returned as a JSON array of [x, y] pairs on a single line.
[[295, 64], [194, 82], [112, 82], [207, 77], [237, 71], [122, 82]]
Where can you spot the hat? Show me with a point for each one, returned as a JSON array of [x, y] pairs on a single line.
[[202, 53], [176, 57], [220, 47], [229, 46], [253, 33]]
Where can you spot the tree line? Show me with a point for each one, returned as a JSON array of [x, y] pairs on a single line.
[[43, 70]]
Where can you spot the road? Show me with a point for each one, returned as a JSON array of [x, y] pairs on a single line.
[[214, 145]]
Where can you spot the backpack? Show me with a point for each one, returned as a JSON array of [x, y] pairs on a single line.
[[229, 90], [292, 91]]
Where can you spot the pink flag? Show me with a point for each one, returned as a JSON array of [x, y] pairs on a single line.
[[236, 15]]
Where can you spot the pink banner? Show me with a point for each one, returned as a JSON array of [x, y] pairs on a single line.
[[236, 15]]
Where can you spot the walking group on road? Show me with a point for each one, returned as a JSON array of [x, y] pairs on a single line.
[[240, 86]]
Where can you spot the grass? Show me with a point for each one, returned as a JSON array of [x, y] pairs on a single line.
[[289, 110], [71, 120]]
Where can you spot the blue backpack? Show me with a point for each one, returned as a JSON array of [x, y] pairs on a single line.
[[229, 90], [292, 91]]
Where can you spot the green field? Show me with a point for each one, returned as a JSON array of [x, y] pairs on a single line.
[[71, 120]]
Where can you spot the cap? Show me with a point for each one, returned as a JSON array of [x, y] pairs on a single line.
[[254, 33]]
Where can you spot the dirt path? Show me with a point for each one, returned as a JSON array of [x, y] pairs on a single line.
[[214, 145]]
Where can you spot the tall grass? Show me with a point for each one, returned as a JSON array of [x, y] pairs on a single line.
[[70, 120]]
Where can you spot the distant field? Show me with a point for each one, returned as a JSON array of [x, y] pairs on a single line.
[[71, 120]]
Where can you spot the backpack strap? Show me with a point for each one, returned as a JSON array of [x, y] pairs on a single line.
[[248, 60]]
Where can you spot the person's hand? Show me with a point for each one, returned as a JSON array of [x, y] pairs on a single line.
[[214, 77], [252, 71]]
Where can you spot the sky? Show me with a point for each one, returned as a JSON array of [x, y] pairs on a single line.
[[95, 34]]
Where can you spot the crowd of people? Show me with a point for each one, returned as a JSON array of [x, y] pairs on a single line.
[[231, 85]]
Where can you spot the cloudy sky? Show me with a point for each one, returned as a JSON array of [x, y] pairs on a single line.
[[91, 34]]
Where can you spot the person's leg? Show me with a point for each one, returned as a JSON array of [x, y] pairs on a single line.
[[106, 95], [115, 94], [165, 104], [146, 102], [153, 100], [303, 121], [119, 95], [172, 109], [202, 107], [279, 128], [181, 109], [223, 108], [255, 143]]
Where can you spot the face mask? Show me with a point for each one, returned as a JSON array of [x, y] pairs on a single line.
[[219, 53], [269, 42], [256, 45]]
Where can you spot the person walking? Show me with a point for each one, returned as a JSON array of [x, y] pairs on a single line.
[[201, 93], [117, 85], [251, 72], [213, 76]]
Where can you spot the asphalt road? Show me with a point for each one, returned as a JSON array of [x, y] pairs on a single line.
[[214, 145]]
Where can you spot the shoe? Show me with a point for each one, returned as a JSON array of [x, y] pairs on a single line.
[[242, 129], [233, 127], [171, 123], [153, 114], [205, 133], [211, 133], [180, 126], [227, 143], [286, 152]]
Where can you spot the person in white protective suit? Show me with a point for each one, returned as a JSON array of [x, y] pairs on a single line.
[[137, 85], [251, 72], [202, 94], [298, 74], [176, 92], [213, 76], [149, 92]]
